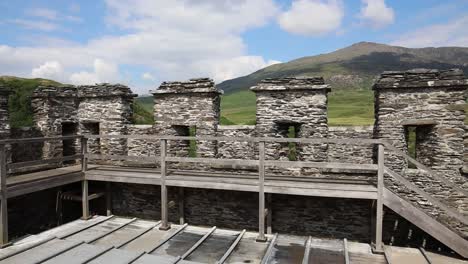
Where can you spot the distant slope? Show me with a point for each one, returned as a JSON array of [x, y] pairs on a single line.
[[20, 101], [357, 65]]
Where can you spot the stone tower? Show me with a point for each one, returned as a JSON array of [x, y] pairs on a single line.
[[423, 112], [294, 107], [188, 108]]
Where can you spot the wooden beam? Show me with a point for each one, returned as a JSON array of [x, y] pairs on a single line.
[[270, 213], [269, 251], [379, 213], [225, 162], [425, 255], [139, 234], [38, 139], [84, 152], [305, 258], [388, 254], [451, 212], [18, 165], [85, 200], [123, 157], [164, 211], [110, 231], [181, 199], [167, 239], [323, 165], [62, 236], [4, 198], [231, 248], [423, 167], [108, 198], [261, 193], [199, 242], [346, 251]]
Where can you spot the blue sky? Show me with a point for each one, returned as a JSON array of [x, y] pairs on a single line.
[[143, 42]]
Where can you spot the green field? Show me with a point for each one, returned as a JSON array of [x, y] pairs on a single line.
[[345, 107]]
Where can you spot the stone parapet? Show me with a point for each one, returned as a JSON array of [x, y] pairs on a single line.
[[198, 85], [293, 83], [420, 78]]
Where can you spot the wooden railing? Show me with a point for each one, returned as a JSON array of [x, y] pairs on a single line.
[[260, 163]]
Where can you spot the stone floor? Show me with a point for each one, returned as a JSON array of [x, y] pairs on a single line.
[[123, 240]]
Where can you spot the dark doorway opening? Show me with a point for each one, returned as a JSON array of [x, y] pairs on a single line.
[[289, 130], [189, 147], [69, 145]]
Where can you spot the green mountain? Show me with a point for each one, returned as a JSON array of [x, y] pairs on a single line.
[[357, 65], [20, 101], [350, 71]]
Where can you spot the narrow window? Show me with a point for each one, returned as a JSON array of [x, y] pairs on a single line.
[[193, 143], [292, 146], [411, 141]]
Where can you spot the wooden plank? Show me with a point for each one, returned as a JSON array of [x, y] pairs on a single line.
[[305, 259], [379, 208], [426, 223], [164, 213], [34, 176], [90, 241], [138, 235], [84, 152], [124, 179], [425, 168], [270, 213], [73, 232], [388, 254], [4, 198], [231, 248], [167, 239], [18, 165], [199, 242], [450, 211], [43, 184], [261, 193], [26, 248], [269, 251]]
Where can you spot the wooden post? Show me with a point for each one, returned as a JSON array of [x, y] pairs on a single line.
[[84, 185], [261, 193], [379, 213], [4, 197], [108, 199], [84, 152], [164, 214], [181, 206], [270, 213]]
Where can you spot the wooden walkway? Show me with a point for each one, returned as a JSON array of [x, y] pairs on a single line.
[[117, 240], [260, 181]]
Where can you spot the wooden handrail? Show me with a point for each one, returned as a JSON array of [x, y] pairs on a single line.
[[450, 211], [37, 139], [425, 168], [352, 141]]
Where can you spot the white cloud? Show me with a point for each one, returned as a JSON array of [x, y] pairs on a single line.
[[48, 70], [376, 13], [148, 76], [35, 24], [453, 33], [45, 13], [166, 37], [312, 17], [102, 72]]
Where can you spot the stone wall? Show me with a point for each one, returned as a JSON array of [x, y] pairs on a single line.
[[142, 147], [350, 153], [298, 104], [433, 102], [184, 107], [236, 150], [26, 151], [4, 113]]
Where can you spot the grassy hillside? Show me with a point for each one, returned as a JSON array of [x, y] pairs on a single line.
[[345, 107], [20, 101], [357, 65]]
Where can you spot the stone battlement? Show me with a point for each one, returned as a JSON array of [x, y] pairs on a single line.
[[198, 85], [421, 78], [98, 90], [293, 83]]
